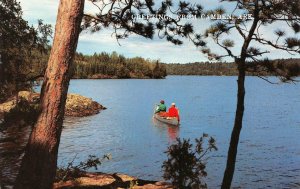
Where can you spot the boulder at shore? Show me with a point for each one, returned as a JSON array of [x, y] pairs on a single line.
[[76, 105], [79, 106]]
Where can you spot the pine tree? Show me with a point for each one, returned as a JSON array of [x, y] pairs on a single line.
[[250, 57]]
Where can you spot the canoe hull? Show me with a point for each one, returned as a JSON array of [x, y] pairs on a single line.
[[172, 121]]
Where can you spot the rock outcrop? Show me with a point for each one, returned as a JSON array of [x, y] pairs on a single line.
[[116, 181], [79, 106], [76, 105]]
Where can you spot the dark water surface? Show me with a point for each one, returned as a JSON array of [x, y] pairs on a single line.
[[269, 150]]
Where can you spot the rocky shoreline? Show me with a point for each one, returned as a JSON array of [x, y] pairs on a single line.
[[110, 181], [80, 106], [76, 105]]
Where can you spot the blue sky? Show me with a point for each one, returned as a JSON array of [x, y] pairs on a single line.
[[138, 46]]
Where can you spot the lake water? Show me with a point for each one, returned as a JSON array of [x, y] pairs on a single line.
[[269, 150]]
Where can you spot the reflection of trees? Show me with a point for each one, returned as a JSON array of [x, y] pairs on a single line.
[[12, 144]]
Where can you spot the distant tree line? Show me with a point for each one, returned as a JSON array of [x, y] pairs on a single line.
[[104, 65], [201, 68], [290, 66]]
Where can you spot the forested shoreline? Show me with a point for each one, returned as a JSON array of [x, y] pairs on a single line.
[[291, 66], [114, 66]]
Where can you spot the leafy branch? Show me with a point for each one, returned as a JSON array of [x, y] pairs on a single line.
[[74, 171]]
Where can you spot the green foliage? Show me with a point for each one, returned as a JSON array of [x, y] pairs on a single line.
[[5, 90], [74, 171], [291, 67], [20, 46], [159, 71], [263, 14], [202, 68], [228, 43], [186, 162], [113, 65], [284, 69], [280, 32], [292, 42], [23, 114], [296, 27], [123, 18]]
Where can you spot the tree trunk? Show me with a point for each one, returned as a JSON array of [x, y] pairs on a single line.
[[235, 135], [39, 163]]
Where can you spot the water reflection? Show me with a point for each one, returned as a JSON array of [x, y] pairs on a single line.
[[172, 131], [12, 143]]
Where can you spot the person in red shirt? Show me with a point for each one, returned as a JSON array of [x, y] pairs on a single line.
[[173, 111]]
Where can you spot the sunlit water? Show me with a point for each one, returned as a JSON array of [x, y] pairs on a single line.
[[269, 150]]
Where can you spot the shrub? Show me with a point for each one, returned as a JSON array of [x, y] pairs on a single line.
[[186, 163], [72, 171]]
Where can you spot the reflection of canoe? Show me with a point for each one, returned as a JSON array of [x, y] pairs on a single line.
[[171, 121], [171, 130]]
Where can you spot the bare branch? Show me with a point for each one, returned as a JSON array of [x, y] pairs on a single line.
[[239, 30], [126, 8], [267, 80]]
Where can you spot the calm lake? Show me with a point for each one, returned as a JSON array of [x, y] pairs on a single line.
[[269, 150]]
